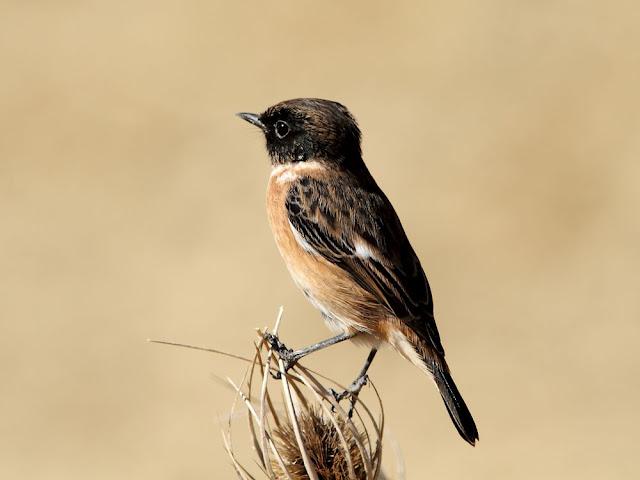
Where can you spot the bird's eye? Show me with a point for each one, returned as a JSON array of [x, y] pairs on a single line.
[[282, 129]]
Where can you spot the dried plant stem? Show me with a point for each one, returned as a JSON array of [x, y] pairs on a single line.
[[311, 471], [309, 436]]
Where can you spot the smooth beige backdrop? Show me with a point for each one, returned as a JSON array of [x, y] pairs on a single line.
[[507, 134]]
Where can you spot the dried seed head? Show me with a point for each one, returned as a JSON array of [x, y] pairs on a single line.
[[309, 436], [326, 450]]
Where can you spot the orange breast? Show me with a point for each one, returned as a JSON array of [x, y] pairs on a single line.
[[328, 287]]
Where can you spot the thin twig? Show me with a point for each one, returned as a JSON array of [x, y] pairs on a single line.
[[311, 471], [204, 349]]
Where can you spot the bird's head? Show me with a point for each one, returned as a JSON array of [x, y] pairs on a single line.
[[309, 128]]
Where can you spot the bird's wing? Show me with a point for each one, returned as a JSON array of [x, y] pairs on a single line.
[[357, 229]]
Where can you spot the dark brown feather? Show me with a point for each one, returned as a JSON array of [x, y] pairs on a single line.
[[336, 217]]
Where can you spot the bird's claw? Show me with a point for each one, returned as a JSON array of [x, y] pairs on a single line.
[[285, 354], [275, 343], [352, 392]]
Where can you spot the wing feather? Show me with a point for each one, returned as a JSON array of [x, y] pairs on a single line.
[[356, 228]]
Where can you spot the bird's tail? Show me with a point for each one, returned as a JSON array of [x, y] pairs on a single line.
[[416, 350], [458, 411]]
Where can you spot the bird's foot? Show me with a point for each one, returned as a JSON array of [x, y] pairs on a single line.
[[288, 356], [352, 392]]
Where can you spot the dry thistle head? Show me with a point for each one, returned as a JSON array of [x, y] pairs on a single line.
[[310, 436], [322, 442]]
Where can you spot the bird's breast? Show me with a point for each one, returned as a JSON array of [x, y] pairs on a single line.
[[328, 287], [305, 267]]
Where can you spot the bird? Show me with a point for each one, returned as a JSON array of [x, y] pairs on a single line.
[[345, 246]]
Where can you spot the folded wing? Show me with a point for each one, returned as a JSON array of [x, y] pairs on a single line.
[[358, 230]]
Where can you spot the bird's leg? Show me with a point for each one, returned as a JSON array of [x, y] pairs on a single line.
[[353, 390], [290, 357]]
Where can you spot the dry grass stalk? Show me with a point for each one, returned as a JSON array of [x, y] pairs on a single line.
[[311, 436]]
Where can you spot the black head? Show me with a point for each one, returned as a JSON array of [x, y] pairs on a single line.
[[309, 128]]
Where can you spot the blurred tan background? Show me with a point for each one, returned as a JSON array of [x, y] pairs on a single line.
[[507, 134]]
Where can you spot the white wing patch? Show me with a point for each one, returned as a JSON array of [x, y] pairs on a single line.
[[363, 250]]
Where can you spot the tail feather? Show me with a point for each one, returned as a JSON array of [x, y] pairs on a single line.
[[457, 409], [423, 355]]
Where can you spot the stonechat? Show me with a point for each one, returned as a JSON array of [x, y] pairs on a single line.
[[345, 247]]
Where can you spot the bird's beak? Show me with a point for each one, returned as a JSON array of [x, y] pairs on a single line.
[[253, 119]]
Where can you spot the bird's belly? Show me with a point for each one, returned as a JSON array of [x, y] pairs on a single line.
[[338, 301]]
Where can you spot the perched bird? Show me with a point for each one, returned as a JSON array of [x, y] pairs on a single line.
[[345, 247]]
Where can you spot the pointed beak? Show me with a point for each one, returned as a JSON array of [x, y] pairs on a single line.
[[253, 119]]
